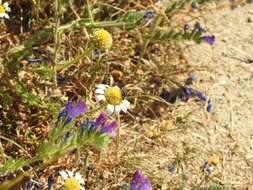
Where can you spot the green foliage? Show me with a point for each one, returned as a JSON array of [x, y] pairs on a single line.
[[131, 19], [44, 71], [12, 165], [27, 96], [6, 99], [181, 35], [55, 144], [203, 1], [176, 6]]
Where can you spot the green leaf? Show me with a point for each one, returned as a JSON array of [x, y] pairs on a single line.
[[132, 18], [12, 165], [101, 140]]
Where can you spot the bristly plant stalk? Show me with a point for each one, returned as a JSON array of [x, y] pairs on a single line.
[[152, 33], [89, 12], [118, 135], [57, 40]]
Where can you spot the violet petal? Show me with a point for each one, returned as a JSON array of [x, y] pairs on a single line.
[[209, 39], [78, 109], [109, 129], [101, 119], [145, 184], [136, 179]]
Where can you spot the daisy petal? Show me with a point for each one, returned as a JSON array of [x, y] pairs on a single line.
[[117, 109], [110, 109], [70, 173], [100, 91], [6, 15], [102, 86], [6, 5], [123, 107], [79, 178], [126, 103], [64, 174], [100, 98]]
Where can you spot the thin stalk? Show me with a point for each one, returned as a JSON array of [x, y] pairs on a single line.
[[77, 158], [118, 136], [62, 67], [152, 33], [57, 41], [86, 161], [89, 12], [87, 23]]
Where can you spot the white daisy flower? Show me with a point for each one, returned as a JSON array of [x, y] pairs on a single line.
[[113, 97], [4, 8], [72, 181]]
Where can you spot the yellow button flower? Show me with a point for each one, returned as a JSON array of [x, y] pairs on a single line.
[[102, 39]]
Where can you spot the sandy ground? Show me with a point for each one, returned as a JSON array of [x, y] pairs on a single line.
[[228, 81]]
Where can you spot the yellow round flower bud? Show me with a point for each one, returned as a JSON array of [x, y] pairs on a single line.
[[103, 39]]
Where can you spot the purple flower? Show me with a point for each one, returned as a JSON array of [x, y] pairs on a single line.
[[109, 129], [71, 112], [140, 182], [209, 39], [99, 125], [77, 110], [199, 28], [189, 92], [101, 119], [200, 95], [186, 93], [209, 106], [88, 125]]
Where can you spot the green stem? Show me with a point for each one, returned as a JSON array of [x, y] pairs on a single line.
[[64, 66], [57, 41], [88, 24], [86, 161], [118, 135], [152, 33], [89, 12]]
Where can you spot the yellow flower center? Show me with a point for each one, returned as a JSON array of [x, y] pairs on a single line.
[[103, 39], [2, 9], [72, 184], [113, 95]]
